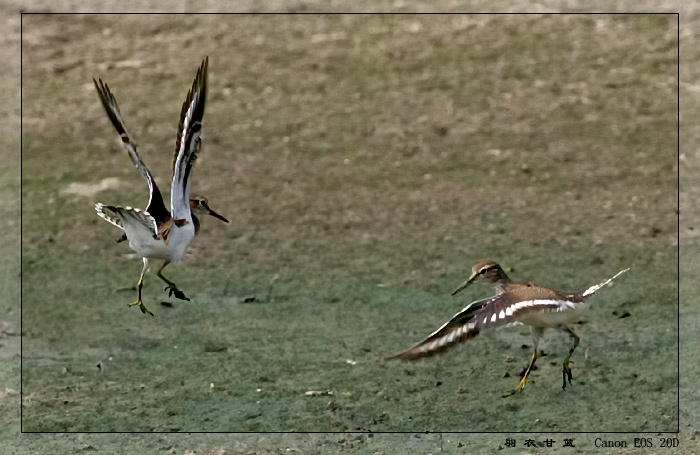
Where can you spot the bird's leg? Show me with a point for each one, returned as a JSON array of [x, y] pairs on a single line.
[[566, 371], [140, 304], [171, 288], [536, 333], [526, 376]]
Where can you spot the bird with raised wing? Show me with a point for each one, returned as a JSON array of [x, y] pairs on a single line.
[[159, 233], [514, 302]]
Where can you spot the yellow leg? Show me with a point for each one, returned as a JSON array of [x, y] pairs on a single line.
[[171, 286], [139, 303], [566, 371], [526, 377]]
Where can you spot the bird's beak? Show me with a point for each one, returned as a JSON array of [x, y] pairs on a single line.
[[216, 215], [465, 284]]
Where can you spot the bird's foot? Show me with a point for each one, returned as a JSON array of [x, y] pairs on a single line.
[[566, 374], [172, 289], [521, 386], [142, 307]]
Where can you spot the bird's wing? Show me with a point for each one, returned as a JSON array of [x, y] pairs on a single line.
[[494, 311], [507, 308], [108, 214], [456, 330], [594, 288], [116, 215], [188, 144], [156, 206]]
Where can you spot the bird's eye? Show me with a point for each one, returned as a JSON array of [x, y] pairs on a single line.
[[482, 271]]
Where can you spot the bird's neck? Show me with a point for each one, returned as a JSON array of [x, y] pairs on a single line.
[[195, 220], [500, 286], [502, 283]]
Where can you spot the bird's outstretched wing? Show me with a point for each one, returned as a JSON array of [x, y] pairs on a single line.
[[116, 215], [156, 207], [594, 288], [188, 144], [491, 312], [458, 329]]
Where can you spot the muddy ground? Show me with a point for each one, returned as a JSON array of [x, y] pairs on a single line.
[[365, 163]]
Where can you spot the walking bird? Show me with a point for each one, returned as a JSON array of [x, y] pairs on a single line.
[[156, 233], [514, 302]]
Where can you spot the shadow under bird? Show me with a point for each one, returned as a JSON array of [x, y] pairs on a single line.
[[156, 233], [514, 302]]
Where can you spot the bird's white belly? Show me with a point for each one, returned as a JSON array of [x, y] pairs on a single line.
[[141, 241], [565, 313], [178, 241]]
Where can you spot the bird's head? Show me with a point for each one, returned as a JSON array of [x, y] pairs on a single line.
[[200, 206], [486, 272]]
